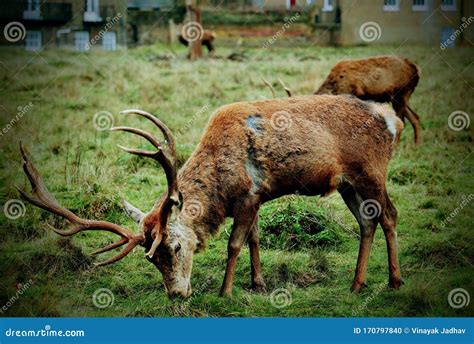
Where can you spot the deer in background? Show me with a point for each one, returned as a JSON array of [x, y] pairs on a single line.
[[382, 79], [251, 153]]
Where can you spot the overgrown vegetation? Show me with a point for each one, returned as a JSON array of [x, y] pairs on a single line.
[[309, 244]]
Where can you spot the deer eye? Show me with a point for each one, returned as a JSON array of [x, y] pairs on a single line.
[[177, 248]]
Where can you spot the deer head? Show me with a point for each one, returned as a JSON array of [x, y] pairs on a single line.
[[165, 232]]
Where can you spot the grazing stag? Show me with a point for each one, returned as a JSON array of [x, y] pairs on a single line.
[[381, 79], [251, 153]]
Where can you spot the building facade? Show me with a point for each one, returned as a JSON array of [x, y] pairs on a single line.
[[392, 21], [81, 24]]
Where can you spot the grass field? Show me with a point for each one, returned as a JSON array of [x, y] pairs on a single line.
[[59, 93]]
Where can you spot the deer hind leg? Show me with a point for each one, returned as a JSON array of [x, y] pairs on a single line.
[[367, 230], [244, 218], [389, 222], [403, 110], [254, 246]]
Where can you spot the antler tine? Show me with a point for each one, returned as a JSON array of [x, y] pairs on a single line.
[[149, 137], [140, 152], [166, 154], [270, 86], [164, 129], [42, 198], [287, 89], [131, 245], [119, 243]]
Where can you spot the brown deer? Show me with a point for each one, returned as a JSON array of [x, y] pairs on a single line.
[[381, 79], [251, 153]]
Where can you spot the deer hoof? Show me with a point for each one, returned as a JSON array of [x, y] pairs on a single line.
[[357, 287], [258, 287], [395, 283], [225, 293]]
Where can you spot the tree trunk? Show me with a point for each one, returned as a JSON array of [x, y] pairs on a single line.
[[194, 18]]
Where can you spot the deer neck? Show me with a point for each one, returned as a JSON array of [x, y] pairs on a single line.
[[204, 204]]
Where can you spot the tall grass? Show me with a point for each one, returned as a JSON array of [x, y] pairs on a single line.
[[87, 173]]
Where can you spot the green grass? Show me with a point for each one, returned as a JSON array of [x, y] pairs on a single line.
[[87, 173]]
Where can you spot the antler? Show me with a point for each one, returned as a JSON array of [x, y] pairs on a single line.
[[166, 157], [287, 89], [165, 153], [42, 198], [266, 82]]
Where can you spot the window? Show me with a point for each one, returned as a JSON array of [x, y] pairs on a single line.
[[92, 12], [448, 5], [290, 4], [420, 5], [109, 41], [32, 10], [33, 40], [328, 5], [391, 5], [81, 40]]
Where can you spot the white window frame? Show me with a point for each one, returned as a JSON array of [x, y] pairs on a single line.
[[392, 8], [32, 10], [109, 41], [33, 41], [81, 43], [92, 12], [449, 8], [420, 8], [328, 6]]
